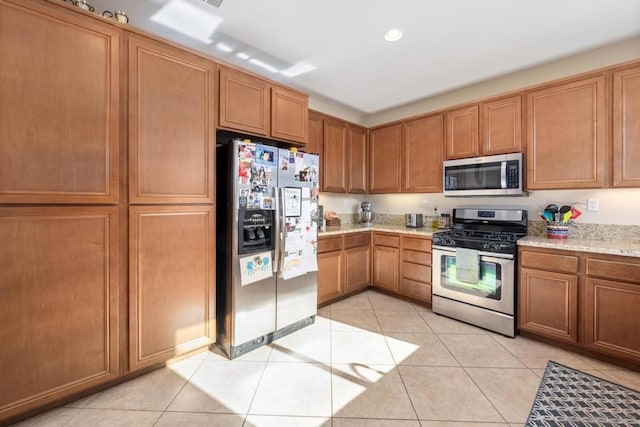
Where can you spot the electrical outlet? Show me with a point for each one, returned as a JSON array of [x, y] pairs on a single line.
[[425, 201], [593, 204]]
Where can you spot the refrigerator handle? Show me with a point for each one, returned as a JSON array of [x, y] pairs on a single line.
[[278, 225]]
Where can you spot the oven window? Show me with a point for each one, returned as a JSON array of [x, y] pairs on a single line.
[[489, 281], [473, 177]]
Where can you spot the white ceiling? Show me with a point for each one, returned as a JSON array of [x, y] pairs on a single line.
[[447, 44]]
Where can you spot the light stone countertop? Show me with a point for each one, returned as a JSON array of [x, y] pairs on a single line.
[[609, 247], [391, 228]]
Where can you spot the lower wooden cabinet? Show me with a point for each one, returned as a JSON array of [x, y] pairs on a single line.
[[386, 261], [416, 268], [58, 303], [357, 255], [171, 282], [330, 269]]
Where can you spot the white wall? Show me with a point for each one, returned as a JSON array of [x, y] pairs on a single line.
[[617, 206]]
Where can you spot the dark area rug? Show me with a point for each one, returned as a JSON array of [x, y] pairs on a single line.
[[567, 397]]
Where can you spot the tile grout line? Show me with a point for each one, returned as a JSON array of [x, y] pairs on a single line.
[[255, 392]]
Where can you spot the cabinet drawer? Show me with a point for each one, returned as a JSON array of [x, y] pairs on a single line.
[[549, 261], [418, 290], [416, 257], [615, 270], [416, 244], [386, 240], [329, 244], [356, 240], [421, 273]]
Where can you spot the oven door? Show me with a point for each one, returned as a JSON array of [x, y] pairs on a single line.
[[495, 287]]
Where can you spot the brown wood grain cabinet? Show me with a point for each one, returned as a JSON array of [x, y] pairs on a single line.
[[357, 159], [461, 132], [548, 299], [501, 126], [171, 282], [59, 303], [386, 261], [416, 268], [171, 124], [566, 135], [357, 254], [611, 298], [60, 106], [250, 104], [422, 148], [316, 133], [384, 159], [330, 269], [335, 155], [626, 128]]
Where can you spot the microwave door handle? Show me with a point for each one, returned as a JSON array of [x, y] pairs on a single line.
[[503, 175]]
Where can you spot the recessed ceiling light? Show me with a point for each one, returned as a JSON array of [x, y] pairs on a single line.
[[192, 21], [393, 35], [264, 65], [242, 55], [224, 47], [297, 69]]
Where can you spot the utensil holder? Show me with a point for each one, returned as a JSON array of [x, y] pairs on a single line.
[[558, 230]]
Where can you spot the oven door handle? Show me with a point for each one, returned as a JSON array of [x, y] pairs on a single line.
[[484, 255]]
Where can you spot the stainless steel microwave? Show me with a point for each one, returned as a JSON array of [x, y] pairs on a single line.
[[500, 175]]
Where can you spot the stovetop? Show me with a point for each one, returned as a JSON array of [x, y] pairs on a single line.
[[498, 242]]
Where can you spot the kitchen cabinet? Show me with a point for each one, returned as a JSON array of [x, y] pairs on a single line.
[[335, 154], [386, 261], [171, 282], [501, 126], [566, 135], [384, 159], [251, 104], [59, 304], [548, 293], [316, 133], [357, 257], [626, 127], [330, 269], [171, 124], [611, 298], [422, 145], [416, 268], [461, 132], [357, 159], [60, 112]]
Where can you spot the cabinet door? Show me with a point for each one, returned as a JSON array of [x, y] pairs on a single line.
[[386, 266], [171, 124], [384, 159], [548, 304], [357, 159], [626, 128], [60, 106], [422, 145], [335, 152], [501, 126], [316, 133], [330, 276], [171, 282], [289, 115], [245, 102], [58, 303], [566, 135], [357, 268], [461, 133], [611, 321]]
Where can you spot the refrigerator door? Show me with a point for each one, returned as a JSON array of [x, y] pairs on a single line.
[[297, 283]]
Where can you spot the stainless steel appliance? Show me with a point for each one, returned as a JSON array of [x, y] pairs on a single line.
[[414, 220], [366, 214], [500, 175], [267, 222], [474, 274]]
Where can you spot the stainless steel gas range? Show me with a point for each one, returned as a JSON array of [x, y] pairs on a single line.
[[474, 267]]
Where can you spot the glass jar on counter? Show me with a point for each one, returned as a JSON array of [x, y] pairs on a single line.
[[445, 221]]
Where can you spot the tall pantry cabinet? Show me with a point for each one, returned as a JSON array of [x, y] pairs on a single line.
[[61, 204]]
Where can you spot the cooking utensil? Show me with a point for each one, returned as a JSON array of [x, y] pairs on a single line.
[[575, 213], [552, 210], [566, 216], [548, 216]]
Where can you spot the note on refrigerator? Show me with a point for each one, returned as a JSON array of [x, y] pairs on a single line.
[[256, 267]]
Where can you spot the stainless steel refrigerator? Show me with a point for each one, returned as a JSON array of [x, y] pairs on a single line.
[[267, 224]]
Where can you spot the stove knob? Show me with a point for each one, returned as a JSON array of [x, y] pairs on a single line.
[[486, 245]]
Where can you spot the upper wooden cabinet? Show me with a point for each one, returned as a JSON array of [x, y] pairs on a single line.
[[316, 133], [626, 128], [253, 105], [461, 133], [60, 106], [501, 126], [335, 154], [566, 138], [171, 124], [422, 141], [384, 159], [357, 159]]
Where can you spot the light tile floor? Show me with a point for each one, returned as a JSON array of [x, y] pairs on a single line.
[[369, 361]]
